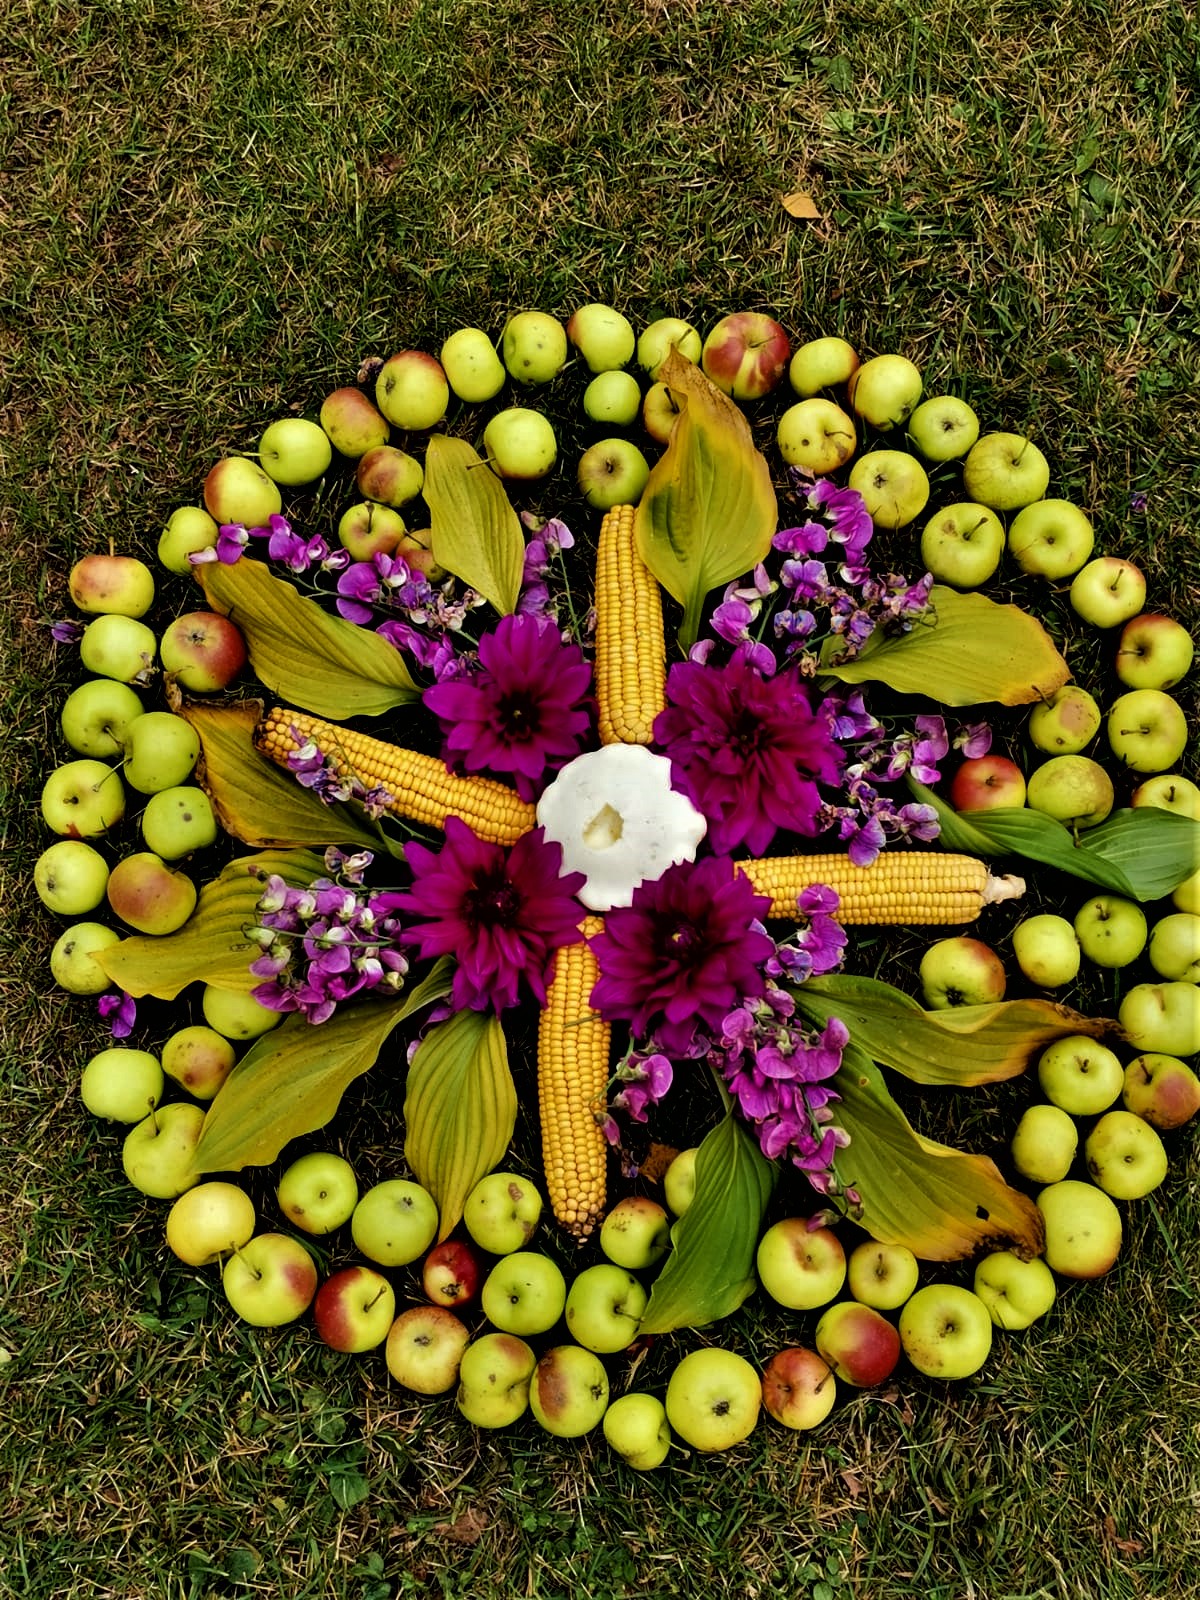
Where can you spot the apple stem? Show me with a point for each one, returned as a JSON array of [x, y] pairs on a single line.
[[249, 1266], [376, 1297]]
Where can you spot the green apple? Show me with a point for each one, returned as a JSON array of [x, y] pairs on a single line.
[[1107, 591], [656, 342], [603, 337], [884, 392], [820, 364], [353, 424], [679, 1181], [121, 1084], [354, 1310], [395, 1222], [1162, 1089], [294, 451], [613, 398], [1125, 1157], [118, 647], [502, 1212], [150, 896], [882, 1275], [160, 751], [177, 822], [1047, 950], [568, 1393], [1075, 790], [270, 1280], [961, 971], [369, 529], [236, 1015], [636, 1233], [1111, 930], [389, 476], [605, 1306], [1147, 730], [816, 435], [524, 1293], [1083, 1228], [411, 390], [534, 347], [97, 716], [1005, 471], [1051, 538], [189, 530], [800, 1266], [661, 410], [424, 1347], [70, 878], [210, 1221], [493, 1380], [1186, 895], [893, 484], [112, 584], [1065, 721], [798, 1388], [713, 1399], [946, 1331], [636, 1427], [1015, 1292], [203, 651], [1153, 652], [473, 369], [1162, 1018], [159, 1152], [962, 544], [612, 472], [1175, 947], [199, 1059], [73, 963], [520, 444], [1080, 1075], [237, 490], [83, 799], [318, 1192], [943, 428], [1044, 1144], [858, 1342], [1170, 791]]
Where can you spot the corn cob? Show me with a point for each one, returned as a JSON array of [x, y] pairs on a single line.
[[419, 786], [925, 886], [573, 1055], [630, 650]]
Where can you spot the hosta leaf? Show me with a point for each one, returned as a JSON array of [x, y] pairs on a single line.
[[943, 1204], [323, 663], [291, 1081], [211, 947], [965, 1045], [977, 652], [460, 1109], [708, 513], [476, 534], [255, 800], [710, 1270], [1143, 852]]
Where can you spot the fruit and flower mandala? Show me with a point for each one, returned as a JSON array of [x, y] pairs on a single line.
[[633, 791]]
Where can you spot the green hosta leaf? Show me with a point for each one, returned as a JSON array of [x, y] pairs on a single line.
[[476, 534], [710, 1270], [943, 1204], [963, 1046], [708, 512], [1143, 852], [323, 663], [255, 800], [460, 1110], [291, 1081], [977, 652], [211, 947]]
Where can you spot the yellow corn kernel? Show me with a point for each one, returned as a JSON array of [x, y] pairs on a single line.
[[631, 654], [916, 886], [420, 787], [573, 1060]]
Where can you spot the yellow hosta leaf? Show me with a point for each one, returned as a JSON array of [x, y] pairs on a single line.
[[476, 534]]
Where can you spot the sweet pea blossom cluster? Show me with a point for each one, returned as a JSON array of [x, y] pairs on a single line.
[[321, 944], [317, 772]]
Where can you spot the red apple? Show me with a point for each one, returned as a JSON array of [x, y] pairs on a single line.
[[987, 782], [452, 1273], [798, 1388], [354, 1309], [204, 650], [859, 1343], [746, 354]]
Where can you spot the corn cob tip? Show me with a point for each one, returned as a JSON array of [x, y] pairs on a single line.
[[1005, 887]]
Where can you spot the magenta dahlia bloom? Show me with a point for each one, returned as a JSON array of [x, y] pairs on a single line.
[[689, 948], [500, 913], [524, 712], [748, 751]]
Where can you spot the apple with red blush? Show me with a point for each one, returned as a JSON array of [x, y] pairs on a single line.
[[798, 1388], [746, 354], [986, 783], [452, 1273], [354, 1309], [203, 650], [858, 1342]]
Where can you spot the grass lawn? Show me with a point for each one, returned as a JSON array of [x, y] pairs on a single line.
[[212, 211]]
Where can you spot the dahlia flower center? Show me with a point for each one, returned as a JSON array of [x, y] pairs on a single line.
[[684, 940], [494, 902], [518, 717]]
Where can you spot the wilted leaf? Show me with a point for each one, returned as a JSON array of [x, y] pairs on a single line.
[[708, 512], [801, 205], [476, 534], [211, 947], [291, 1081], [255, 800], [324, 663], [977, 652], [460, 1109], [942, 1203], [963, 1046], [710, 1270]]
